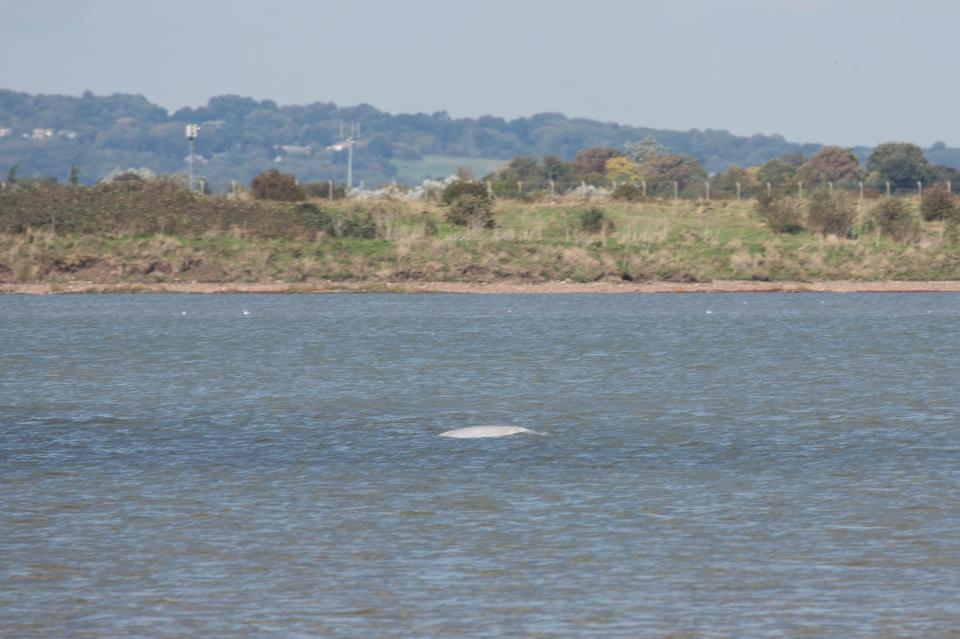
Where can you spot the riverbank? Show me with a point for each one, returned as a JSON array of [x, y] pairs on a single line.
[[549, 246], [505, 287]]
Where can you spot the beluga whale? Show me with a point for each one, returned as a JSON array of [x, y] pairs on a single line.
[[478, 432]]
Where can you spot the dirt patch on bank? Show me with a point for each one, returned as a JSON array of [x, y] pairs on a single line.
[[324, 286]]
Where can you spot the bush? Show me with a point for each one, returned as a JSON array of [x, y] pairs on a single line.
[[831, 213], [628, 193], [429, 223], [781, 214], [358, 225], [128, 176], [312, 216], [938, 203], [274, 185], [595, 220], [468, 204], [463, 188], [322, 190], [893, 217]]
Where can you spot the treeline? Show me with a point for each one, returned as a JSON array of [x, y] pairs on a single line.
[[240, 137], [647, 169]]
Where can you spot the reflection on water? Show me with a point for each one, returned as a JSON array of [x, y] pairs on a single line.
[[785, 465]]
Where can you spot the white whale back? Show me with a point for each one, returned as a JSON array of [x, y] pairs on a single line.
[[476, 432]]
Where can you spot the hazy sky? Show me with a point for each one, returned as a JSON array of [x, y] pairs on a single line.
[[832, 71]]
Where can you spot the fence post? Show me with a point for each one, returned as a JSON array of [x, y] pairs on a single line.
[[520, 188], [769, 189], [553, 188], [888, 189], [800, 190], [738, 191], [919, 187], [861, 190], [489, 189], [643, 183], [676, 190], [707, 190], [830, 187], [330, 190], [949, 186]]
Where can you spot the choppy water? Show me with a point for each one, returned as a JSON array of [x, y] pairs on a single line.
[[714, 466]]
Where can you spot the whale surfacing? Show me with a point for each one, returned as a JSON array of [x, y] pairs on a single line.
[[477, 432]]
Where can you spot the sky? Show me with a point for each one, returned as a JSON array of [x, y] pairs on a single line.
[[849, 72]]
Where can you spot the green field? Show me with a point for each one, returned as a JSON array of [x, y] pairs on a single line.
[[441, 166], [155, 233]]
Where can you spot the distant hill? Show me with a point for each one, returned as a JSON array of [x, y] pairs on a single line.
[[239, 137]]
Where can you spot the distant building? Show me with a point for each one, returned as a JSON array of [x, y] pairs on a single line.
[[5, 131], [294, 149], [67, 133], [41, 134]]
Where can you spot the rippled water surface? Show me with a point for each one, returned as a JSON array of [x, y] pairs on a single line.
[[713, 466]]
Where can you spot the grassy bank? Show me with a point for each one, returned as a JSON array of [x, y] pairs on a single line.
[[406, 242]]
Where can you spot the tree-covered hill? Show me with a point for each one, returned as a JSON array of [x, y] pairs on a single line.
[[44, 135]]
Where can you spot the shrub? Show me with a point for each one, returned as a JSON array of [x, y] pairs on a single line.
[[938, 204], [628, 192], [429, 223], [831, 213], [468, 204], [274, 185], [312, 216], [595, 220], [322, 190], [128, 176], [358, 225], [463, 188], [894, 218], [781, 214]]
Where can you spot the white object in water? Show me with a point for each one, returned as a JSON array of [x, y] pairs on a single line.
[[476, 432], [246, 312]]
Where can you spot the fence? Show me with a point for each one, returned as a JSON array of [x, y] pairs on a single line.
[[719, 189]]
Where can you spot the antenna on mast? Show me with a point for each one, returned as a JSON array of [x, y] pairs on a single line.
[[192, 131]]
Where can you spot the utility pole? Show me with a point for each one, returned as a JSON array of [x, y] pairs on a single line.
[[354, 133], [349, 164], [192, 131]]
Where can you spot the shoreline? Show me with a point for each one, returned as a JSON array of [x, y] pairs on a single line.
[[496, 287]]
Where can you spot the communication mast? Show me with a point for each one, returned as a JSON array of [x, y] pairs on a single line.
[[347, 143], [193, 131]]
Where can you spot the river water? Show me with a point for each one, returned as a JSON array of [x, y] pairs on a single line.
[[783, 465]]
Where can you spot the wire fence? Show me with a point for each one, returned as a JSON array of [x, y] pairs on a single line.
[[716, 189]]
